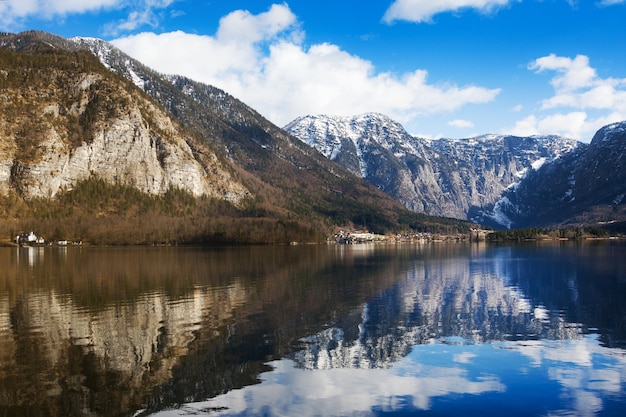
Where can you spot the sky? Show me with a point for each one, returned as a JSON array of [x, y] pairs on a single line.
[[446, 68]]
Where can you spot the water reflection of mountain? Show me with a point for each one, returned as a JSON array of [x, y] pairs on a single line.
[[507, 295], [66, 360], [111, 331], [585, 286]]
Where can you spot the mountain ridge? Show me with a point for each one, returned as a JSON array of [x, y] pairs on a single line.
[[448, 177]]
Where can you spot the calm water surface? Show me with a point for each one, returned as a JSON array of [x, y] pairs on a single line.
[[363, 330]]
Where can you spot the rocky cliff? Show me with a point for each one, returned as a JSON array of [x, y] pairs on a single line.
[[67, 118]]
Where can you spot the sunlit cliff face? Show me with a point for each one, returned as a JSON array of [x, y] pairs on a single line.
[[67, 124]]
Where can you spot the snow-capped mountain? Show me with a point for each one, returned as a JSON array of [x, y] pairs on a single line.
[[585, 186], [446, 177], [349, 140]]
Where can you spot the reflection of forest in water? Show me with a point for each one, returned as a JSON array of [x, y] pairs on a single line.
[[113, 330]]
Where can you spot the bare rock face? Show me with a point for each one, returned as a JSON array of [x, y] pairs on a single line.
[[7, 150], [63, 126]]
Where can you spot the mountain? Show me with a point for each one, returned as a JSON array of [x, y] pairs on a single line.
[[584, 187], [291, 174], [444, 177], [78, 109], [66, 118]]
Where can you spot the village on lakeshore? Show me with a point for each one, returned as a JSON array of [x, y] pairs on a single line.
[[356, 237], [474, 235], [31, 239], [344, 237]]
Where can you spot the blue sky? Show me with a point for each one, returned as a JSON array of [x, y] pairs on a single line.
[[451, 68]]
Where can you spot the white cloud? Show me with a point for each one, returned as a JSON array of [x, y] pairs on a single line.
[[423, 10], [572, 125], [610, 2], [460, 123], [577, 85], [582, 101], [143, 12], [573, 73], [575, 125], [14, 10], [261, 60], [242, 26], [140, 13]]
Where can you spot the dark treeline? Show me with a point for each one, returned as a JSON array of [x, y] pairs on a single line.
[[534, 233], [97, 212], [100, 213]]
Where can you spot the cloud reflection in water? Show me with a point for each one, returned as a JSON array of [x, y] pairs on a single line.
[[578, 374]]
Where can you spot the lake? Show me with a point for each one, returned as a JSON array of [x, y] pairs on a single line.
[[536, 329]]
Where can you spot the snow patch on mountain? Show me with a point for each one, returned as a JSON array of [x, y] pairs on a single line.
[[98, 47], [498, 213], [607, 133], [538, 163], [112, 58], [136, 79]]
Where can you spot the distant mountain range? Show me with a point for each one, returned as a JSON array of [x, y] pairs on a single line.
[[118, 120], [496, 180]]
